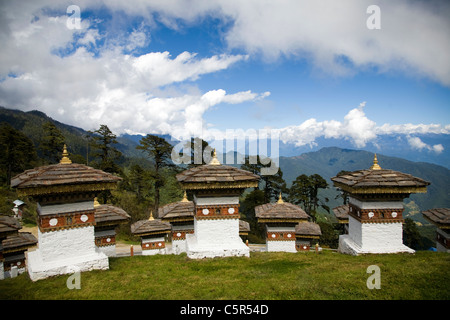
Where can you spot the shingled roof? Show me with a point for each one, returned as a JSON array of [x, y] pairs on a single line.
[[244, 227], [217, 175], [181, 210], [18, 241], [308, 229], [341, 213], [54, 178], [106, 214], [9, 224], [439, 216], [378, 180], [280, 211], [148, 227]]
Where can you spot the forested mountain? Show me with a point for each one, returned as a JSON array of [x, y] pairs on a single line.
[[326, 162]]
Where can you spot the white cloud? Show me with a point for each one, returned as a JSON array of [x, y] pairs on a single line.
[[359, 129], [57, 72], [332, 35], [417, 143]]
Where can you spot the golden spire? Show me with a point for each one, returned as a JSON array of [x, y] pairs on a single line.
[[375, 165], [185, 199], [151, 216], [96, 203], [214, 161], [280, 199], [65, 159]]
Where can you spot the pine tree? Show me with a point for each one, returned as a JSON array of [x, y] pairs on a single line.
[[159, 150], [52, 142], [17, 153], [102, 141]]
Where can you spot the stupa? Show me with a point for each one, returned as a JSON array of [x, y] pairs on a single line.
[[280, 219], [65, 195], [375, 209], [107, 219], [216, 190], [152, 232], [440, 217], [181, 216], [13, 245]]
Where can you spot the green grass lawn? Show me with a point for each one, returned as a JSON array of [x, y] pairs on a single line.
[[286, 276]]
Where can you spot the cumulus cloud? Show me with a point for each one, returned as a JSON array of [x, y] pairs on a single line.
[[75, 78], [417, 143], [359, 129], [332, 35]]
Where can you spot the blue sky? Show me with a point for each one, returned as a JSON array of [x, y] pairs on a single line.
[[306, 69]]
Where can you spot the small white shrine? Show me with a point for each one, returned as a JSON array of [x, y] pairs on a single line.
[[216, 190], [65, 194], [375, 221]]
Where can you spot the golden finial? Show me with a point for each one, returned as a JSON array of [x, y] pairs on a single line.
[[375, 165], [96, 203], [65, 159], [151, 216], [185, 199], [214, 161], [280, 199]]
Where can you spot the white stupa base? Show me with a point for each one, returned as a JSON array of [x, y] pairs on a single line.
[[202, 250], [348, 246], [110, 251], [39, 269], [178, 246], [281, 246]]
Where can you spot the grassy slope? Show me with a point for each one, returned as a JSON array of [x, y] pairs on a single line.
[[327, 275]]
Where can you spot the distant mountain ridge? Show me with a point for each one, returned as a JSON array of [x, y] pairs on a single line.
[[327, 161], [330, 160]]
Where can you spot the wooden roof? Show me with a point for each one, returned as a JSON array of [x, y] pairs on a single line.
[[147, 227], [341, 212], [280, 211], [106, 214], [177, 210], [244, 227], [379, 181], [63, 177], [18, 241], [438, 216], [308, 229], [217, 176], [9, 224]]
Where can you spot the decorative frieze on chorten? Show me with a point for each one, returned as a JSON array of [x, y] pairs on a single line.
[[65, 195], [440, 217], [181, 216], [107, 219], [375, 209], [152, 232], [280, 219], [13, 245], [216, 190]]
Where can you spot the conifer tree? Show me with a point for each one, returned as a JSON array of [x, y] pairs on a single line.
[[52, 142], [17, 153], [158, 150]]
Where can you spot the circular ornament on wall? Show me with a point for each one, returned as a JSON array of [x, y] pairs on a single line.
[[230, 210], [205, 211], [84, 218], [394, 214], [370, 214], [53, 222]]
